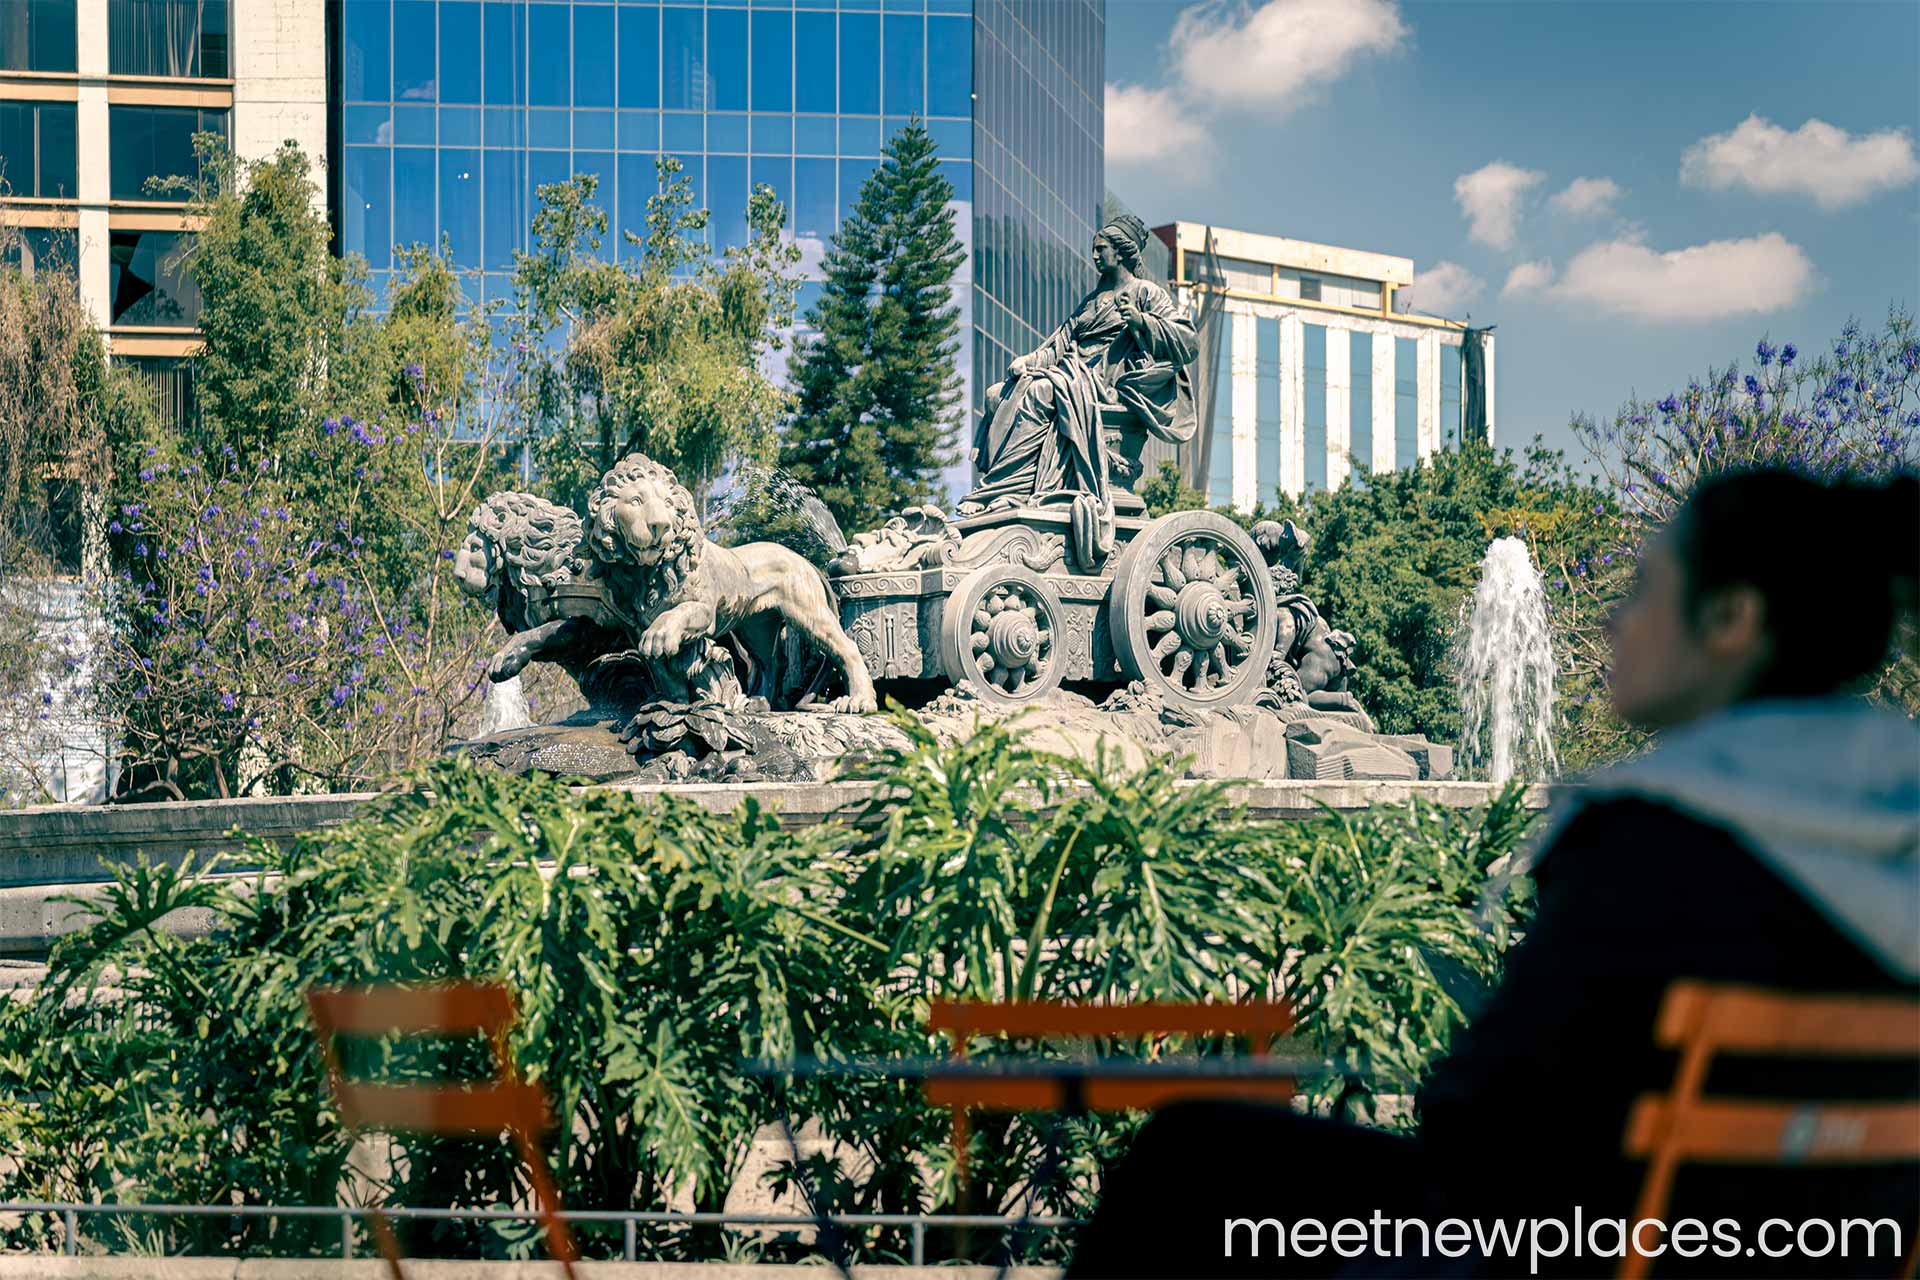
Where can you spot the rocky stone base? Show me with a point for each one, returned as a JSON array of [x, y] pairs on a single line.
[[1291, 740]]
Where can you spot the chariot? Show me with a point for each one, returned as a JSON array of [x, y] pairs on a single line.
[[1183, 604]]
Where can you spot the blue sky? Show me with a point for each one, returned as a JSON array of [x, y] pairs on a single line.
[[1761, 158]]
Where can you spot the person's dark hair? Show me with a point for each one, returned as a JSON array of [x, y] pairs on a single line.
[[1834, 563]]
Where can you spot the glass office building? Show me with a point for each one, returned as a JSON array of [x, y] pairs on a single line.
[[452, 113]]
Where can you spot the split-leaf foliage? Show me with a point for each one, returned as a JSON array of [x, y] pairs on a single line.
[[655, 948]]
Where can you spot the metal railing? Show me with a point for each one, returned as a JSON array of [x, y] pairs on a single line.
[[918, 1224]]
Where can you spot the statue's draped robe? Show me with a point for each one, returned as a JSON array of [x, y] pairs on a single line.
[[1041, 434]]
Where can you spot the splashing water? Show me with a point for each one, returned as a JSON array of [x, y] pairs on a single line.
[[503, 706], [1504, 667]]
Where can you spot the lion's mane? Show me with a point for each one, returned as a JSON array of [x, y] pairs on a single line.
[[537, 541], [684, 540]]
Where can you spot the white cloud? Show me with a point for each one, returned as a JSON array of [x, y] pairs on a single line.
[[1272, 54], [1820, 160], [1703, 282], [1442, 288], [1490, 197], [1529, 277], [1585, 197], [1149, 125]]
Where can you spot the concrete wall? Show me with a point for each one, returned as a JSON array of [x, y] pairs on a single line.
[[280, 78], [51, 853]]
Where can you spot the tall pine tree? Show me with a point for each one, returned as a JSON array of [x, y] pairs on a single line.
[[877, 389]]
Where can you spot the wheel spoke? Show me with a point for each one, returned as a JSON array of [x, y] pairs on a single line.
[[1166, 645], [1160, 621], [1220, 663], [1181, 662], [1159, 597], [1170, 569]]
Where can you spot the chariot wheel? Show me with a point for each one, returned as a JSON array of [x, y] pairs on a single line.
[[1002, 631], [1191, 611]]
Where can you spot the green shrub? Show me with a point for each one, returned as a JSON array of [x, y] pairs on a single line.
[[656, 949]]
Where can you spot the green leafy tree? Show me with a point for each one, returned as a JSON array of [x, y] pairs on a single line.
[[283, 320], [1394, 560], [660, 352], [1167, 491], [877, 386]]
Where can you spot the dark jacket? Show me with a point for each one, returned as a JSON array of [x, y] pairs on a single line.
[[1526, 1114]]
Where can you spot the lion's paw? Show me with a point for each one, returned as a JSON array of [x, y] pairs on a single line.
[[855, 704]]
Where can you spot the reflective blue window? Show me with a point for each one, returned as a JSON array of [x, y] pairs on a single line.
[[593, 131], [550, 128], [1360, 404], [693, 171], [506, 211], [726, 59], [951, 138], [949, 67], [726, 131], [814, 135], [413, 126], [772, 61], [601, 165], [1406, 403], [1313, 364], [365, 23], [683, 59], [859, 64], [814, 69], [640, 57], [813, 207], [1220, 464], [414, 50], [637, 184], [544, 168], [959, 173], [773, 135], [906, 66], [506, 48], [549, 55], [727, 197], [459, 51], [364, 205], [639, 131], [852, 174], [859, 136], [460, 203], [1266, 408], [413, 196], [507, 127], [367, 124], [684, 131], [593, 45], [459, 126], [1449, 394]]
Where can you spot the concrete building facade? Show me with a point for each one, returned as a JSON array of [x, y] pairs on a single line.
[[1308, 372], [98, 97]]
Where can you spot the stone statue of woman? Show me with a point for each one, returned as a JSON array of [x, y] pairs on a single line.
[[1125, 347]]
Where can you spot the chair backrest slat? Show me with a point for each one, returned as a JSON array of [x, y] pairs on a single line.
[[1748, 1020]]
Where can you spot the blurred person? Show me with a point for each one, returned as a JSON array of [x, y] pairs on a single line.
[[1772, 838]]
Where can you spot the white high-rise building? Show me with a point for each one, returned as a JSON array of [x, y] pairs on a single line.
[[1308, 372]]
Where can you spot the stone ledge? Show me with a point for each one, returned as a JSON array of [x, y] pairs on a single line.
[[56, 852]]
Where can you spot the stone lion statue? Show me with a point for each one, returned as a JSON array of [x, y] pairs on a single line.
[[675, 593], [518, 550]]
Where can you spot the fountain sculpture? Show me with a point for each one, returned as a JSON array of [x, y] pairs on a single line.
[[1052, 586], [1505, 668]]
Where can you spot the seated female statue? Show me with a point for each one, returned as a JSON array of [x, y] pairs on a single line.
[[1126, 347]]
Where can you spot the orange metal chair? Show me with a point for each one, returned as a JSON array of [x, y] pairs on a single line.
[[1682, 1127], [504, 1105], [1088, 1090]]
